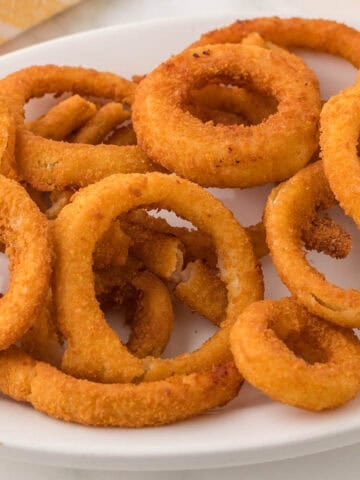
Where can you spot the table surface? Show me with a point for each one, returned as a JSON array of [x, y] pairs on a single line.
[[99, 13]]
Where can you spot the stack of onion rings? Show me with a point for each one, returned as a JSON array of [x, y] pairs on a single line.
[[220, 114]]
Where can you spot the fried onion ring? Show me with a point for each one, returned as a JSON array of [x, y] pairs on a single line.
[[153, 319], [241, 101], [63, 118], [7, 143], [102, 123], [123, 136], [202, 290], [287, 211], [49, 164], [309, 363], [121, 405], [78, 314], [236, 156], [161, 254], [318, 34], [24, 232], [340, 125]]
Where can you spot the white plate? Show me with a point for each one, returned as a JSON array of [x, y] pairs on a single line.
[[251, 429]]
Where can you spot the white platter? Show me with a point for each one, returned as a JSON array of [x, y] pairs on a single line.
[[251, 429]]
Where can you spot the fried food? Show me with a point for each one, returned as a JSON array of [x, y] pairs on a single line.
[[161, 254], [63, 119], [102, 123], [229, 156], [153, 318], [7, 143], [123, 136], [340, 132], [197, 244], [42, 341], [309, 363], [250, 106], [236, 110], [112, 248], [146, 301], [318, 34], [323, 234], [58, 199], [203, 291], [122, 405], [287, 211], [48, 164], [24, 232], [95, 207]]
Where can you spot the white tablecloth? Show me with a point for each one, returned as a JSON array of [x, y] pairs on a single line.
[[338, 464]]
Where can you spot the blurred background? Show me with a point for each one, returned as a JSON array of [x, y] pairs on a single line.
[[27, 22]]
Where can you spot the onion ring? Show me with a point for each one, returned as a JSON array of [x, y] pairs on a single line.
[[318, 34], [48, 164], [153, 319], [287, 211], [121, 405], [122, 136], [24, 232], [202, 290], [161, 254], [309, 363], [63, 118], [101, 124], [147, 302], [241, 101], [7, 143], [236, 156], [112, 248], [42, 341], [340, 125], [96, 206]]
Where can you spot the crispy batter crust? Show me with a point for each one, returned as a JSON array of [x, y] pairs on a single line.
[[63, 118], [120, 405], [24, 231], [48, 164], [229, 155], [318, 34], [94, 350], [295, 357], [287, 211], [340, 131]]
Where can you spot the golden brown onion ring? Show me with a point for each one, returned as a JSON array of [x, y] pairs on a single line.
[[153, 319], [78, 314], [7, 143], [49, 164], [123, 136], [340, 133], [147, 301], [121, 405], [42, 341], [295, 357], [235, 155], [63, 118], [287, 211], [318, 34], [102, 123], [203, 291], [162, 254], [24, 231], [241, 101], [112, 248]]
